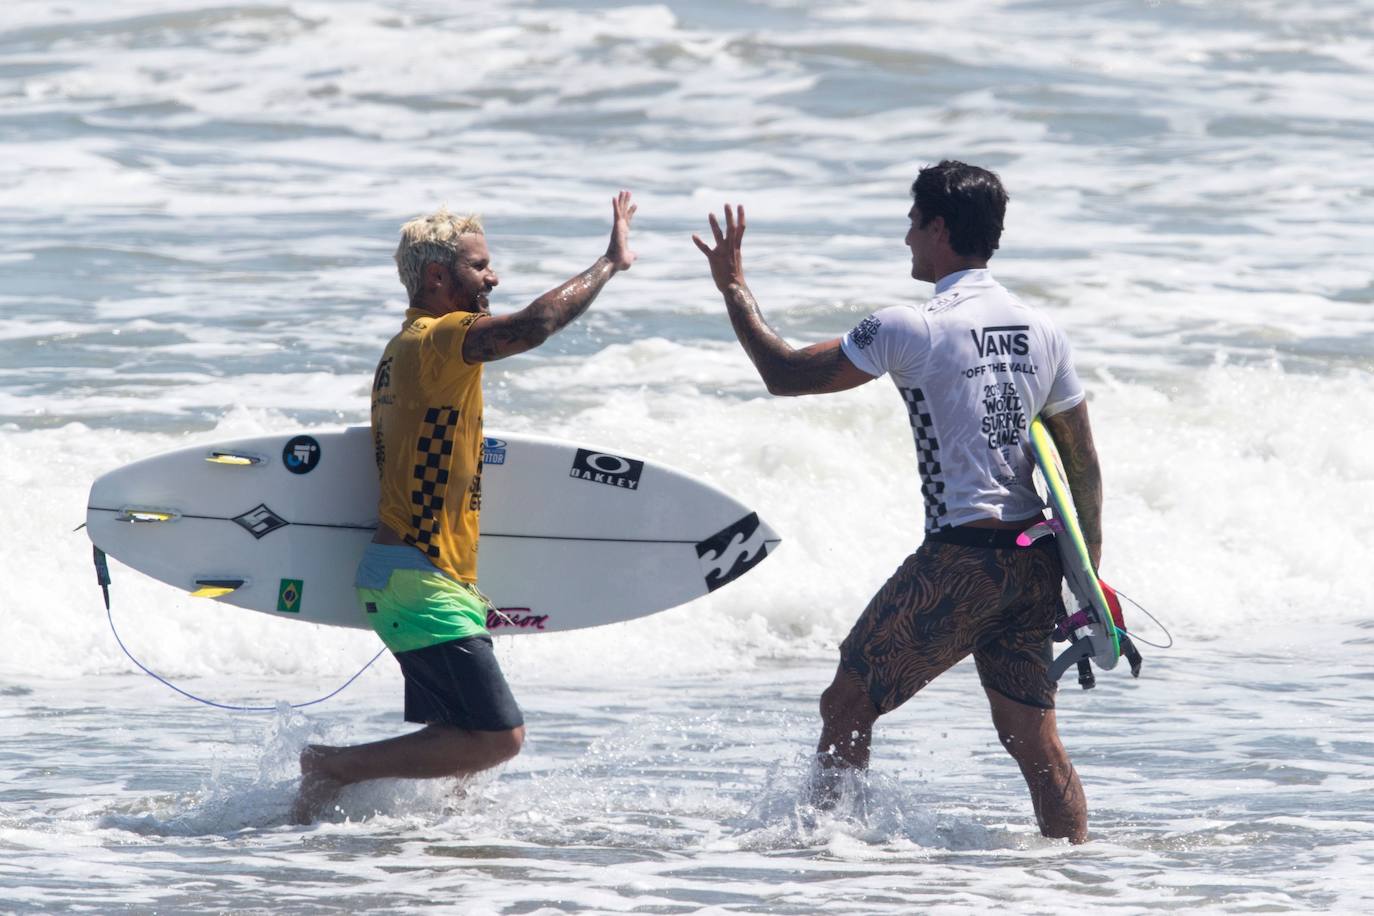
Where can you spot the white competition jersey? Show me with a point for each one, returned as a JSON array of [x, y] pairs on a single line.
[[975, 366]]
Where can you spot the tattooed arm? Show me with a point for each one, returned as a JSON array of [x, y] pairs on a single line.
[[818, 369], [496, 337], [1073, 436]]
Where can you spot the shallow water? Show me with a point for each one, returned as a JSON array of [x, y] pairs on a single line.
[[199, 204], [676, 795]]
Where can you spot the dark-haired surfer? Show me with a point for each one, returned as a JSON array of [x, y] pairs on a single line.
[[974, 366]]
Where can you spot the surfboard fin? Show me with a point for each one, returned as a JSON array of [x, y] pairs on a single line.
[[1047, 528], [216, 588], [1079, 651], [235, 459], [1128, 648], [1086, 679], [140, 515], [102, 574], [1132, 654]]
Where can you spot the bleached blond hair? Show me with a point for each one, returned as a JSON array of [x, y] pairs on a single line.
[[431, 239]]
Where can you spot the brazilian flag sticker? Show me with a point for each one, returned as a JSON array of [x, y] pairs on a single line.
[[289, 596]]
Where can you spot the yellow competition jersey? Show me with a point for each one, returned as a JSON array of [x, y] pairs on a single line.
[[427, 430]]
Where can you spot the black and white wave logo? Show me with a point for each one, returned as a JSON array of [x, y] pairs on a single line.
[[260, 521], [612, 470], [729, 554]]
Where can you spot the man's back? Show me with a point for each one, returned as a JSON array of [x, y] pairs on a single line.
[[974, 365]]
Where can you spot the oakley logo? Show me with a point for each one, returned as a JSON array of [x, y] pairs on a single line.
[[611, 470], [1004, 340]]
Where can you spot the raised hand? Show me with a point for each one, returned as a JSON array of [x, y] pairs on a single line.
[[618, 251], [726, 259]]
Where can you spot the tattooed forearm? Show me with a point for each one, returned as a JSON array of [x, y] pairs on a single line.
[[784, 369], [497, 337], [559, 306], [1074, 438]]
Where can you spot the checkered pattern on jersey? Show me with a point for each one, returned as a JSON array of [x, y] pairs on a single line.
[[927, 457], [433, 451]]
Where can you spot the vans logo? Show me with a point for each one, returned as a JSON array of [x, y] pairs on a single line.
[[1003, 340], [612, 470]]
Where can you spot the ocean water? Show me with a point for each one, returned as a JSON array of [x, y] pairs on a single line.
[[197, 207]]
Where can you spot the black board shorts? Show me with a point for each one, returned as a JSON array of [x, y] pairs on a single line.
[[948, 600], [458, 683]]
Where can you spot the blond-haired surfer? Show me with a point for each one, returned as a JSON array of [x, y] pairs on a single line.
[[417, 582]]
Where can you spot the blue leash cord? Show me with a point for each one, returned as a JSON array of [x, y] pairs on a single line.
[[103, 577]]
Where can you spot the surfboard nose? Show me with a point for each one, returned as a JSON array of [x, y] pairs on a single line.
[[735, 549], [769, 536]]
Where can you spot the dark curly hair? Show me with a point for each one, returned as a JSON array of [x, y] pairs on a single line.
[[972, 201]]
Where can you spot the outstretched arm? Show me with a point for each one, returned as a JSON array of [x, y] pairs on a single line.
[[496, 337], [1073, 436], [817, 369]]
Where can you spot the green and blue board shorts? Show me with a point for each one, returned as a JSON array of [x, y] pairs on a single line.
[[436, 627]]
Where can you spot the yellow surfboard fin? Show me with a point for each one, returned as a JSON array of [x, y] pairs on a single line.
[[216, 588], [234, 459], [143, 515]]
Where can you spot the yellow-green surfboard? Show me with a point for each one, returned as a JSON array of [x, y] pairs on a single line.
[[1097, 639]]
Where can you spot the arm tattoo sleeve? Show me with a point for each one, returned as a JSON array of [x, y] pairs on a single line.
[[783, 368], [1074, 439], [534, 324]]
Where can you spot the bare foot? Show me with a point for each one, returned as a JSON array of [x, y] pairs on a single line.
[[318, 787]]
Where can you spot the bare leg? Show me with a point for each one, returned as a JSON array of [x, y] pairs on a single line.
[[431, 752], [847, 717], [1031, 736]]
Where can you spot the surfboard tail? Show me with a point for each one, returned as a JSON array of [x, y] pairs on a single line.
[[1090, 641], [1128, 648], [1113, 605]]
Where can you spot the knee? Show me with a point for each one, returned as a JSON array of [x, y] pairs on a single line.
[[1010, 741], [846, 701], [1034, 750], [502, 746], [490, 749], [1021, 751]]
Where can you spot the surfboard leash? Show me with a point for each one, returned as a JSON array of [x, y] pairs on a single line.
[[102, 576], [1155, 620]]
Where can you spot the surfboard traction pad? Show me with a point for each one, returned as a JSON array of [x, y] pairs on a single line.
[[1094, 635]]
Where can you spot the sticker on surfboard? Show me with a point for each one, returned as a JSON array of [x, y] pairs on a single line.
[[289, 596]]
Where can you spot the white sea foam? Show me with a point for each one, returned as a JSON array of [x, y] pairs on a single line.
[[1212, 494]]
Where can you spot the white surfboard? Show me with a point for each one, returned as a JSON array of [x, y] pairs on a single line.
[[572, 536]]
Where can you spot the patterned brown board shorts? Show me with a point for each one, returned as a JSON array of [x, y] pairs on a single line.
[[949, 600]]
